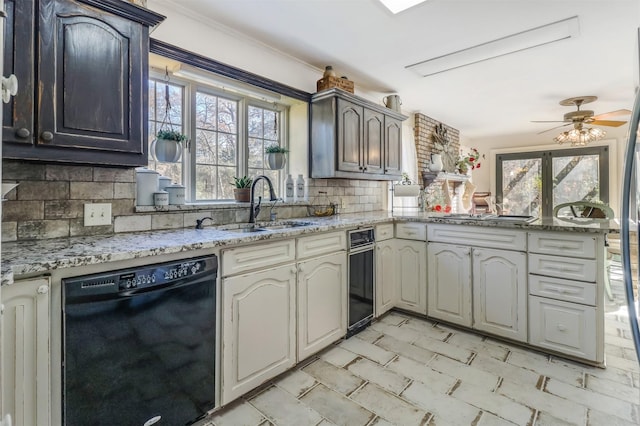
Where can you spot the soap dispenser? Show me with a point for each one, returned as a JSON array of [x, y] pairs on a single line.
[[289, 189], [300, 188]]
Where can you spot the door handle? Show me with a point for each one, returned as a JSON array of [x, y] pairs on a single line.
[[47, 136], [23, 133]]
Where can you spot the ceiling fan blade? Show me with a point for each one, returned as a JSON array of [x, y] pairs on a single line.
[[547, 121], [610, 123], [616, 113], [553, 128]]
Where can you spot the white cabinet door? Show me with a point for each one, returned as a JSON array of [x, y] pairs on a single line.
[[258, 328], [412, 275], [500, 292], [25, 352], [449, 285], [322, 302], [386, 276]]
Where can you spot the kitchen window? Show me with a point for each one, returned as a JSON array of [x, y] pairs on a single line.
[[533, 183], [228, 133]]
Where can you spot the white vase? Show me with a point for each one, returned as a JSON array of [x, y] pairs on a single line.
[[436, 163]]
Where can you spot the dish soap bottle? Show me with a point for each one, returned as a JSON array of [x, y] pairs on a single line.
[[288, 192], [300, 190]]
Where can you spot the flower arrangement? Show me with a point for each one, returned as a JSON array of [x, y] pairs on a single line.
[[470, 160]]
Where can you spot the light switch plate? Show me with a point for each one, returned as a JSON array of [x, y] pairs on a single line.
[[96, 214]]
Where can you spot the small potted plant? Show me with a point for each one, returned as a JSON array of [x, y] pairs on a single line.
[[469, 161], [242, 190], [167, 146], [276, 158]]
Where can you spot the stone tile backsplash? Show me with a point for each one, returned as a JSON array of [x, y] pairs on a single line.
[[49, 202]]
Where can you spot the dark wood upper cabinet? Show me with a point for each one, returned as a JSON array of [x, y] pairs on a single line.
[[354, 138], [88, 78]]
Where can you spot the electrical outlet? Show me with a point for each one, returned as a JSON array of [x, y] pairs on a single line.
[[96, 214]]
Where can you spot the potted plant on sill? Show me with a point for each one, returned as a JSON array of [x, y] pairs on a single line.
[[276, 158], [242, 191], [167, 146]]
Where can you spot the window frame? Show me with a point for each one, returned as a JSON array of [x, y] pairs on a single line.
[[547, 157]]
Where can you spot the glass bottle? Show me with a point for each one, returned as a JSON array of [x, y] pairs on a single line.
[[289, 189]]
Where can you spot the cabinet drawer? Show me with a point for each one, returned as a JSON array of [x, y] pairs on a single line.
[[563, 244], [384, 231], [500, 238], [411, 231], [563, 267], [241, 259], [560, 289], [317, 245], [565, 327]]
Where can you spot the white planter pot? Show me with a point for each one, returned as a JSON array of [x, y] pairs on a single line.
[[276, 160], [166, 151]]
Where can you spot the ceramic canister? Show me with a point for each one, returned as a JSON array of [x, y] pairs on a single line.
[[163, 182], [176, 194], [146, 185], [161, 198]]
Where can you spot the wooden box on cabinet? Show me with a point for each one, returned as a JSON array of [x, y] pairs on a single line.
[[89, 104], [353, 138]]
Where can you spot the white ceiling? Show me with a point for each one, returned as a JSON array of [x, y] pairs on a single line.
[[370, 45]]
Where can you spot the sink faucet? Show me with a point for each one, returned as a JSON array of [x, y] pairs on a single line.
[[200, 221], [254, 211]]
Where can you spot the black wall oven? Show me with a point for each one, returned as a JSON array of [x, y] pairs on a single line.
[[139, 345], [361, 279]]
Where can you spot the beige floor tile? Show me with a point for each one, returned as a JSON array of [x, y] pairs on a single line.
[[381, 376], [561, 408], [240, 413], [368, 350], [405, 349], [614, 389], [494, 403], [477, 344], [446, 409], [379, 421], [623, 364], [427, 328], [389, 407], [409, 368], [509, 373], [283, 409], [482, 380], [593, 400], [393, 318], [404, 334], [598, 418], [296, 382], [338, 356], [546, 419], [336, 407], [325, 422], [335, 378], [439, 347], [541, 365], [369, 335], [488, 419]]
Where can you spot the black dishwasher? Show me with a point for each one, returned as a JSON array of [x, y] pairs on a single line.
[[139, 345]]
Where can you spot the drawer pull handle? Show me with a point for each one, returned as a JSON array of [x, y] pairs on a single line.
[[561, 327]]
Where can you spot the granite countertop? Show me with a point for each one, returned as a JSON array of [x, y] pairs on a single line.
[[32, 257]]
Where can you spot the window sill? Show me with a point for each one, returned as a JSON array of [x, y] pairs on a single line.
[[221, 205]]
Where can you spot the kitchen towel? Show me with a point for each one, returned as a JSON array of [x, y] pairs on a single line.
[[406, 190]]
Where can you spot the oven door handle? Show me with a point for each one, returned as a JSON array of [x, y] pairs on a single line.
[[360, 249]]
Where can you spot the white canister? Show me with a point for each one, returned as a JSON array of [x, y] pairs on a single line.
[[176, 194], [161, 198], [146, 185], [163, 182]]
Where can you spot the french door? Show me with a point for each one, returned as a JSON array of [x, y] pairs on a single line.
[[533, 183]]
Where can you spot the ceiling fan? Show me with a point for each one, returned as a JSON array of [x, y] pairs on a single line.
[[580, 117]]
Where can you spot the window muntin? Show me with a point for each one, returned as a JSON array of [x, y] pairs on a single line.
[[263, 130]]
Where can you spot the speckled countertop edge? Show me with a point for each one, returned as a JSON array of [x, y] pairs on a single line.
[[32, 257]]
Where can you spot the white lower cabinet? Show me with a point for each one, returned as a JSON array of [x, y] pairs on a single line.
[[412, 275], [500, 292], [449, 294], [565, 327], [322, 302], [258, 328], [386, 278], [25, 352]]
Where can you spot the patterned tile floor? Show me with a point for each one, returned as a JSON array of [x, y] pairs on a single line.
[[409, 371]]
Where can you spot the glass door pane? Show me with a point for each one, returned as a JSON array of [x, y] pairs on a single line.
[[575, 178], [522, 187]]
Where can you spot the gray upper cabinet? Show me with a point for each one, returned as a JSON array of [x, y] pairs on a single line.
[[88, 80], [353, 138]]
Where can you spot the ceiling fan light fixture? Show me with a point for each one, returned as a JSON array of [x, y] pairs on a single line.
[[580, 136]]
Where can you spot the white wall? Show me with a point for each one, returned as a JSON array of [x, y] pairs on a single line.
[[484, 177]]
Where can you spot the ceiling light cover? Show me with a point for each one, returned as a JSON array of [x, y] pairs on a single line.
[[397, 6], [580, 136], [513, 43]]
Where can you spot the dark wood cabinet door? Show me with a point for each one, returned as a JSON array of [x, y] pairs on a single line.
[[19, 34], [373, 141], [350, 136], [393, 146], [92, 84]]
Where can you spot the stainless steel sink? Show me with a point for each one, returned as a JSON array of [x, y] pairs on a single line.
[[262, 226], [490, 218]]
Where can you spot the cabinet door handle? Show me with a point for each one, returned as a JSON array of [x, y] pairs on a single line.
[[364, 169], [23, 133], [561, 327], [43, 289], [47, 136]]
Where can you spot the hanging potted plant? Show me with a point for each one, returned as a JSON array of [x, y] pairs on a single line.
[[276, 158], [242, 190], [167, 146]]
